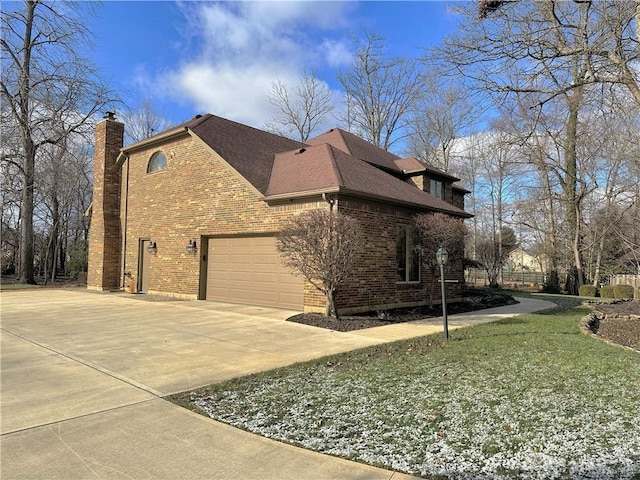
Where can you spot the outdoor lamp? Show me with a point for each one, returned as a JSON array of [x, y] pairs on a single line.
[[442, 256], [192, 248], [152, 248]]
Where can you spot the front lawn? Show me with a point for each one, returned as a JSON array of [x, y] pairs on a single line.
[[527, 398]]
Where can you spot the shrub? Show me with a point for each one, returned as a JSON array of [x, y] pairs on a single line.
[[588, 291], [77, 259], [623, 291], [607, 291], [552, 285]]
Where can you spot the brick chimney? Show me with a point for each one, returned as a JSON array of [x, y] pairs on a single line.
[[105, 238]]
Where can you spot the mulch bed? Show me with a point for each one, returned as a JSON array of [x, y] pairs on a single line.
[[617, 321], [470, 303]]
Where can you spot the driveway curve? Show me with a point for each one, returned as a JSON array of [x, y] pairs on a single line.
[[83, 374]]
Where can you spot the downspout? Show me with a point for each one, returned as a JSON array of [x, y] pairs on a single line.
[[330, 201], [331, 303], [126, 215]]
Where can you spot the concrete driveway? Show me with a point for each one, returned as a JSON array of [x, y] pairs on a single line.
[[83, 373]]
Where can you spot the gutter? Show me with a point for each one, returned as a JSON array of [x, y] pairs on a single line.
[[308, 193], [354, 193]]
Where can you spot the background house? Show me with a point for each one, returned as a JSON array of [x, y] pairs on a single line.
[[193, 212], [519, 260]]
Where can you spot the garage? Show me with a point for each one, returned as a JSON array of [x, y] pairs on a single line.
[[248, 270]]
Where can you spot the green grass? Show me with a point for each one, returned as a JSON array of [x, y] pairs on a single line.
[[17, 286], [528, 397]]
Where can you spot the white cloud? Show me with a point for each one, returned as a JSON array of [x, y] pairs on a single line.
[[228, 92], [337, 53], [237, 49]]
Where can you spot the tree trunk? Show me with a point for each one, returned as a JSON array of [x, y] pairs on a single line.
[[26, 225], [596, 275], [571, 182], [500, 246], [28, 170], [331, 304]]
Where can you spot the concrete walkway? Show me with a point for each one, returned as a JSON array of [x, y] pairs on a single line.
[[83, 375], [402, 331]]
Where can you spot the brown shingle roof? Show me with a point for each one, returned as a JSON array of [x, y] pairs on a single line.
[[282, 168], [409, 165], [248, 150], [325, 168], [360, 148]]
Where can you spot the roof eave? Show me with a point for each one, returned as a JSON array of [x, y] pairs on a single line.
[[460, 189], [420, 206], [414, 171], [369, 196], [301, 194], [168, 135]]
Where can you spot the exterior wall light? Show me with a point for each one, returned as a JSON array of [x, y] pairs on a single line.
[[442, 256], [152, 248], [192, 248]]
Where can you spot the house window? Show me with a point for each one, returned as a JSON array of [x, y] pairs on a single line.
[[157, 162], [437, 189], [407, 255]]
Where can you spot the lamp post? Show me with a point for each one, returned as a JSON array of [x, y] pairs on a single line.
[[442, 256]]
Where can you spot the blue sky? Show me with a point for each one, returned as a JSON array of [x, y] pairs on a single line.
[[194, 57]]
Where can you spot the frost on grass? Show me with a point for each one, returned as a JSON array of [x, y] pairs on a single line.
[[481, 423]]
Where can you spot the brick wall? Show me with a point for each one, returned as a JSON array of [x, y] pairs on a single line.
[[197, 196], [457, 199], [104, 271], [200, 196], [377, 286]]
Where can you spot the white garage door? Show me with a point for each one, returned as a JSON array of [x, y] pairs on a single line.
[[248, 270]]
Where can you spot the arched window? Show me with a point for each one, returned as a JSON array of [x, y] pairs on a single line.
[[157, 162]]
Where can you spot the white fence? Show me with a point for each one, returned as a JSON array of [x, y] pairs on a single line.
[[625, 280]]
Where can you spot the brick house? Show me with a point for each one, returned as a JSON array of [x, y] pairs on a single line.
[[193, 213]]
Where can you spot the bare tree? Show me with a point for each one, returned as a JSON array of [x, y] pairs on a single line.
[[547, 55], [143, 121], [322, 246], [301, 109], [436, 230], [442, 114], [493, 252], [607, 39], [380, 92], [64, 187], [614, 175], [46, 83]]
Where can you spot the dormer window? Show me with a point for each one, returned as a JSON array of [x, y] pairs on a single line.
[[157, 162], [436, 189]]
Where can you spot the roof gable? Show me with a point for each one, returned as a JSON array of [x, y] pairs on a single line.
[[358, 147], [302, 170], [370, 153], [248, 150]]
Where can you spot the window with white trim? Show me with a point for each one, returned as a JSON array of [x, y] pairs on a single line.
[[407, 254], [157, 162]]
